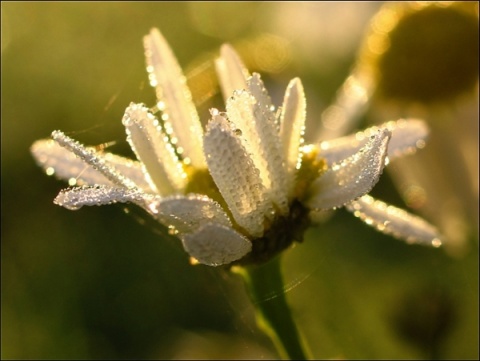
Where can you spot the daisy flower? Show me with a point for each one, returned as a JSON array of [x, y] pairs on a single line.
[[244, 188]]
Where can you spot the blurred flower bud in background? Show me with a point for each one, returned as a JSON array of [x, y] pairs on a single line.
[[420, 60], [430, 70]]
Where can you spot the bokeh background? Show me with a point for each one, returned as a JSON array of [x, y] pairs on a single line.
[[105, 283]]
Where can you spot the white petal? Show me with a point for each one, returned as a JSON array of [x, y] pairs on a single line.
[[131, 169], [349, 104], [161, 165], [93, 159], [77, 197], [215, 245], [292, 125], [353, 177], [65, 165], [175, 99], [407, 136], [185, 214], [58, 161], [231, 72], [268, 136], [236, 176], [395, 221], [252, 113]]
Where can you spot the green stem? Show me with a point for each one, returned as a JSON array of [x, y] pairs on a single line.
[[265, 287]]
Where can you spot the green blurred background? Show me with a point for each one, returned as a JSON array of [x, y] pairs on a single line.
[[101, 284]]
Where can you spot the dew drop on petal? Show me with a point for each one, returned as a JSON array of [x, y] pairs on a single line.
[[436, 242], [172, 230], [420, 143], [153, 207], [160, 105]]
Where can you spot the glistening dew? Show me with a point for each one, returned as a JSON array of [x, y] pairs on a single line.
[[243, 189]]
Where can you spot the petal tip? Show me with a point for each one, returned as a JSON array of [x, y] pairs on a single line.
[[216, 245]]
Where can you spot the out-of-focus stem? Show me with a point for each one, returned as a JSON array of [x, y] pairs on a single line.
[[273, 313]]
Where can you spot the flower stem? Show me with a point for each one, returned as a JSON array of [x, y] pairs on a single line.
[[265, 287]]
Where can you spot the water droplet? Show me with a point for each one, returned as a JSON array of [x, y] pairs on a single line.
[[420, 144], [153, 207], [152, 80], [172, 230], [127, 121]]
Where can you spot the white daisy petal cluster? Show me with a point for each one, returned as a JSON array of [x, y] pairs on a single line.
[[240, 190]]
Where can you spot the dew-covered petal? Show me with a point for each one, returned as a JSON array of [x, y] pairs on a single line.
[[231, 72], [77, 197], [161, 165], [185, 214], [129, 168], [351, 178], [65, 165], [349, 104], [62, 163], [174, 97], [216, 245], [292, 125], [407, 136], [235, 175], [252, 113], [94, 159], [395, 221]]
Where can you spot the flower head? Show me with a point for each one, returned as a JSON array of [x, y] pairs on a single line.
[[242, 190]]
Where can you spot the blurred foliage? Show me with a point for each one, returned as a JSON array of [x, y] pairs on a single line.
[[98, 283]]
